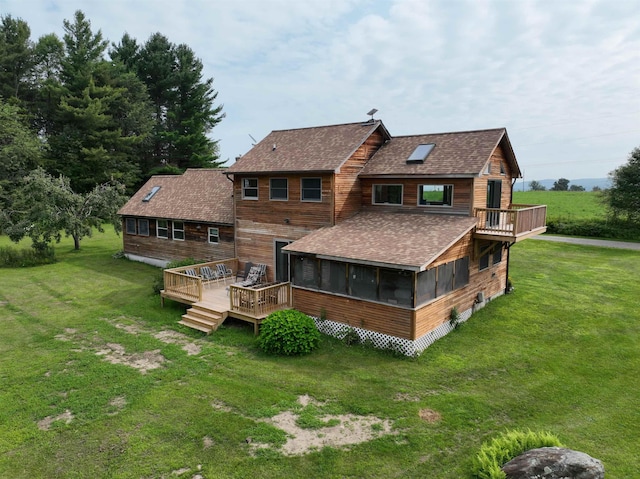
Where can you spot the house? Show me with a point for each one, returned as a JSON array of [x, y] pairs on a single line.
[[386, 235], [180, 216]]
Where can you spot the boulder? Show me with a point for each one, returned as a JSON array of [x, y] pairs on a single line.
[[554, 463]]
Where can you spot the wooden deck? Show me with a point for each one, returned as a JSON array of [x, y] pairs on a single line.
[[213, 301]]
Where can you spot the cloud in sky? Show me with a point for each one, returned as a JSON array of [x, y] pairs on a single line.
[[563, 77]]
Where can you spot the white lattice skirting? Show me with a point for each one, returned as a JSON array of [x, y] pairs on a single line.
[[407, 347]]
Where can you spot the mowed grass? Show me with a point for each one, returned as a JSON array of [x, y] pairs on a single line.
[[565, 205], [559, 354]]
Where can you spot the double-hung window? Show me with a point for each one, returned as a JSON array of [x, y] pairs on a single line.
[[250, 188], [214, 235], [387, 194], [162, 229], [311, 189], [278, 189], [143, 227], [178, 230]]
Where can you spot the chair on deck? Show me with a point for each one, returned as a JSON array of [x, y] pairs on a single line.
[[253, 278], [224, 272], [208, 275], [242, 275], [191, 272]]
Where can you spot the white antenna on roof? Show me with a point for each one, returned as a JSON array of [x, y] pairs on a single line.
[[254, 140], [372, 112]]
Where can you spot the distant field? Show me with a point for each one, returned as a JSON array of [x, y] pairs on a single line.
[[565, 205]]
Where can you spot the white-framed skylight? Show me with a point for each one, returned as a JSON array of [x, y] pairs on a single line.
[[420, 153], [153, 191]]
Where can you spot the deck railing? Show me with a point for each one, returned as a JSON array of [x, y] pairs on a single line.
[[516, 220], [187, 287], [260, 300]]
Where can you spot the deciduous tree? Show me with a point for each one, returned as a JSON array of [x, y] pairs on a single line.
[[561, 185], [536, 186], [624, 195]]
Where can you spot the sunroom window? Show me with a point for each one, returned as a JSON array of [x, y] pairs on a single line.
[[387, 194]]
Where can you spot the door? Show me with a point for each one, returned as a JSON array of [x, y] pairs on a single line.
[[494, 194], [283, 268]]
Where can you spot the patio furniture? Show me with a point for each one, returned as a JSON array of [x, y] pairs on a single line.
[[208, 275], [224, 272]]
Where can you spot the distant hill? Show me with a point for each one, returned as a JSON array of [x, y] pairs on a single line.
[[588, 183]]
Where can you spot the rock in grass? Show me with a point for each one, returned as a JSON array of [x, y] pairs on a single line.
[[554, 463]]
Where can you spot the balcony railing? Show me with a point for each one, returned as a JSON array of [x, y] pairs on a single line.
[[189, 288], [517, 221]]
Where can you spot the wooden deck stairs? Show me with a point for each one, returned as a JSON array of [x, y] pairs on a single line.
[[204, 316]]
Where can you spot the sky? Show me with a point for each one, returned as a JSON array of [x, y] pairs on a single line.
[[563, 76]]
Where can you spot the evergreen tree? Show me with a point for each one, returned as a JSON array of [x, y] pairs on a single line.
[[16, 57], [624, 195]]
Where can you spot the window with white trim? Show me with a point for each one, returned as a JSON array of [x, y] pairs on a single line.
[[130, 226], [214, 235], [435, 195], [178, 230], [387, 194], [143, 227], [162, 229], [250, 188], [278, 189], [311, 189]]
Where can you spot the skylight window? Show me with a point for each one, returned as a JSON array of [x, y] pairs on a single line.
[[420, 153], [153, 191]]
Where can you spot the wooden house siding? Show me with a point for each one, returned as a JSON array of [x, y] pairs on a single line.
[[354, 312], [195, 245], [347, 185], [309, 215], [462, 189], [480, 184]]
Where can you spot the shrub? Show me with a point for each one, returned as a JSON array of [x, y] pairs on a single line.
[[288, 332], [16, 258], [158, 282], [510, 444], [349, 336]]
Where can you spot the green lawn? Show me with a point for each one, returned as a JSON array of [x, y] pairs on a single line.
[[565, 205], [560, 354]]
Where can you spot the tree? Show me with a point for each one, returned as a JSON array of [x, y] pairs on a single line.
[[576, 188], [561, 185], [16, 57], [624, 195], [20, 152], [536, 186], [596, 188], [44, 207]]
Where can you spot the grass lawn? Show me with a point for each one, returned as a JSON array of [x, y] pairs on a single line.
[[560, 354], [565, 205]]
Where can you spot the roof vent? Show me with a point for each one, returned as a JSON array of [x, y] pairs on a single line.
[[420, 153], [150, 195]]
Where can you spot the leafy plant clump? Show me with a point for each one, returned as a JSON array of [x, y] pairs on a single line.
[[20, 258], [158, 282], [288, 333], [454, 317], [510, 444]]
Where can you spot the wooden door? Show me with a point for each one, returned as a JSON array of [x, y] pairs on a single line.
[[494, 194]]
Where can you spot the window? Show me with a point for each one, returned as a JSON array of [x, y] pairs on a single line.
[[162, 229], [426, 286], [484, 261], [214, 235], [363, 282], [178, 230], [143, 227], [305, 272], [130, 226], [278, 189], [396, 287], [435, 195], [334, 277], [250, 188], [461, 274], [420, 153], [150, 195], [497, 254], [311, 189], [502, 170], [387, 194], [445, 279]]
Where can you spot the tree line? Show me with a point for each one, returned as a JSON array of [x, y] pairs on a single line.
[[80, 116]]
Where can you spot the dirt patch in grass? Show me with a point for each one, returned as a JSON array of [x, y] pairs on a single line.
[[406, 397], [350, 429], [429, 415], [173, 337], [143, 362], [45, 424]]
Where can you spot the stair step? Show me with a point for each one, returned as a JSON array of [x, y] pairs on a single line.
[[197, 326]]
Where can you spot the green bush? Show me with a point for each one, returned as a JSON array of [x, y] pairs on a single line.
[[17, 258], [158, 282], [510, 444], [595, 228], [288, 332]]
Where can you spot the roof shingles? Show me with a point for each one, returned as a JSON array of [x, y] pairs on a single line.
[[196, 195], [395, 240]]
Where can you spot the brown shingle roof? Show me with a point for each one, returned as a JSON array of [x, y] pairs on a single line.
[[396, 240], [197, 195], [456, 153], [323, 148]]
